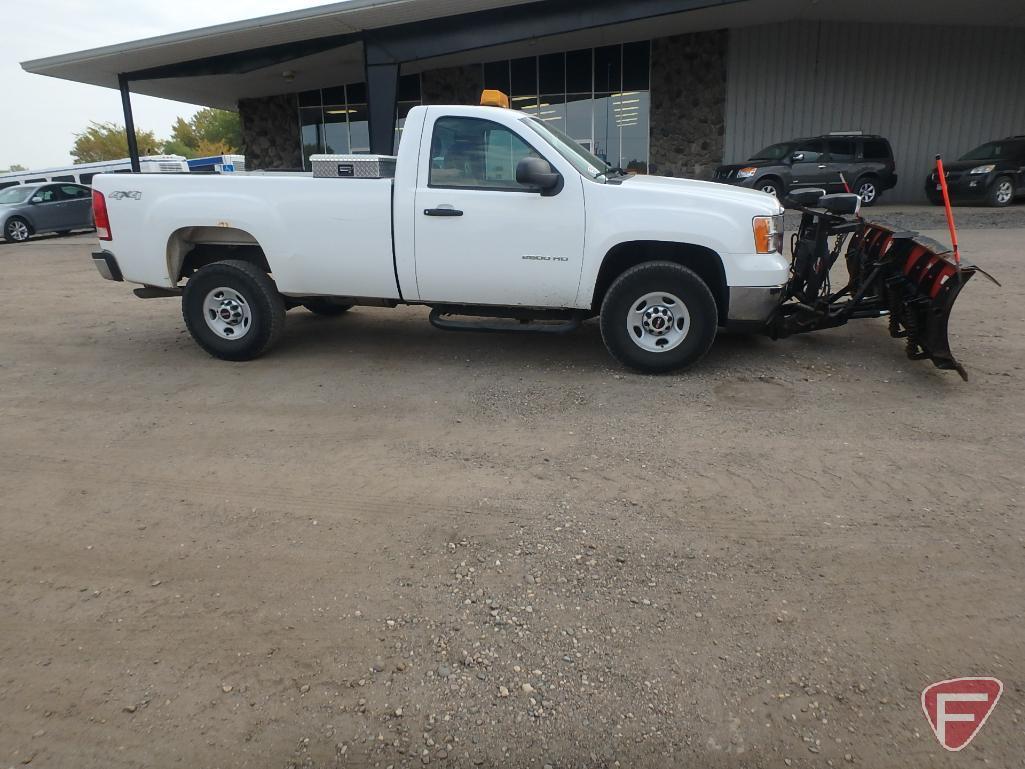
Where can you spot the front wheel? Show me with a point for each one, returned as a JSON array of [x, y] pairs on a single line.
[[771, 186], [1001, 193], [659, 317], [16, 230], [233, 310]]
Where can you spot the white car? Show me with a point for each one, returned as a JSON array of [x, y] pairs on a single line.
[[490, 213]]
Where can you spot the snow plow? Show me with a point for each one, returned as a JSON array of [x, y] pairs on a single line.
[[911, 279]]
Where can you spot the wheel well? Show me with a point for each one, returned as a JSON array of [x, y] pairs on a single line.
[[191, 248], [703, 261]]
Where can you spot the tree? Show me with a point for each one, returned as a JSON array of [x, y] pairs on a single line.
[[12, 169], [208, 132], [108, 141]]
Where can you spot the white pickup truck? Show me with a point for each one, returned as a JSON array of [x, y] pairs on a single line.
[[490, 214]]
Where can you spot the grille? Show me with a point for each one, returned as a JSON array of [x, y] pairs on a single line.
[[170, 168]]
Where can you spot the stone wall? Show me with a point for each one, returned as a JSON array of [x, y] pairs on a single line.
[[270, 133], [455, 85], [688, 104]]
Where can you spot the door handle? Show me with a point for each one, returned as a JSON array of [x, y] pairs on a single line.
[[442, 212]]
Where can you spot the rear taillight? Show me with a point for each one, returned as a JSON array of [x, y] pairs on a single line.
[[100, 218]]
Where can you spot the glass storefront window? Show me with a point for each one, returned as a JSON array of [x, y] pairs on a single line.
[[599, 97], [336, 120], [359, 128]]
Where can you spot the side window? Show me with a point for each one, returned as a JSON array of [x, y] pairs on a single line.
[[812, 151], [841, 150], [73, 192], [475, 153], [46, 194], [876, 150], [86, 178]]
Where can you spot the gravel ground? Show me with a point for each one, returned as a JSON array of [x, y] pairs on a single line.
[[935, 218], [386, 546]]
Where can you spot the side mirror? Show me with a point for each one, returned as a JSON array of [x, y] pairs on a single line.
[[537, 172], [36, 199], [843, 204], [797, 157]]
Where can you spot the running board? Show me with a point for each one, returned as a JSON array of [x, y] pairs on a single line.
[[442, 319]]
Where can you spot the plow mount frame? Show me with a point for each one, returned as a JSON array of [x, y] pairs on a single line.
[[909, 278]]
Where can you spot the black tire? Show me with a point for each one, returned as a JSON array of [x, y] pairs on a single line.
[[326, 308], [260, 297], [770, 186], [624, 299], [1001, 192], [868, 188], [934, 197], [13, 233]]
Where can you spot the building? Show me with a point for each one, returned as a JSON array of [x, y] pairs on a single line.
[[673, 87]]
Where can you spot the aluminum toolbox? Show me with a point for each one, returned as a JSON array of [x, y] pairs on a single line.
[[353, 166]]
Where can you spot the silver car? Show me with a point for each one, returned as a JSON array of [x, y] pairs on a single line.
[[32, 209]]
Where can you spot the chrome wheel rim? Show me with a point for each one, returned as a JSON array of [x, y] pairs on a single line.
[[769, 188], [658, 322], [1004, 192], [227, 313], [18, 230], [867, 192]]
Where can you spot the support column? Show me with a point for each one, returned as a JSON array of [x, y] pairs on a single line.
[[383, 94], [126, 105]]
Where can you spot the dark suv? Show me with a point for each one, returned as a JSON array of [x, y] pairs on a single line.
[[866, 162], [994, 173]]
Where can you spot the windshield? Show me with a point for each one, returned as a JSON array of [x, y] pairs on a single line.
[[772, 152], [996, 151], [589, 165], [15, 195]]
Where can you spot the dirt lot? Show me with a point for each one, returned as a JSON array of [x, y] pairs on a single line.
[[387, 546]]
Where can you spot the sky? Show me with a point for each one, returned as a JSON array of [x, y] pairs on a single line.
[[41, 114]]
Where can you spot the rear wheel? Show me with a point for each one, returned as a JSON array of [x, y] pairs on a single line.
[[233, 310], [659, 317], [326, 307], [17, 230], [868, 190], [1001, 193]]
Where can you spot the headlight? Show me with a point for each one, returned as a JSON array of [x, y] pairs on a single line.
[[983, 169], [746, 173], [768, 232]]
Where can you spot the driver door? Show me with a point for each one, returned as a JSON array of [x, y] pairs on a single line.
[[808, 167], [480, 236], [48, 209]]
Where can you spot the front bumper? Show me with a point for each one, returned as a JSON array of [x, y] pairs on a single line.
[[107, 265], [963, 186], [753, 304]]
